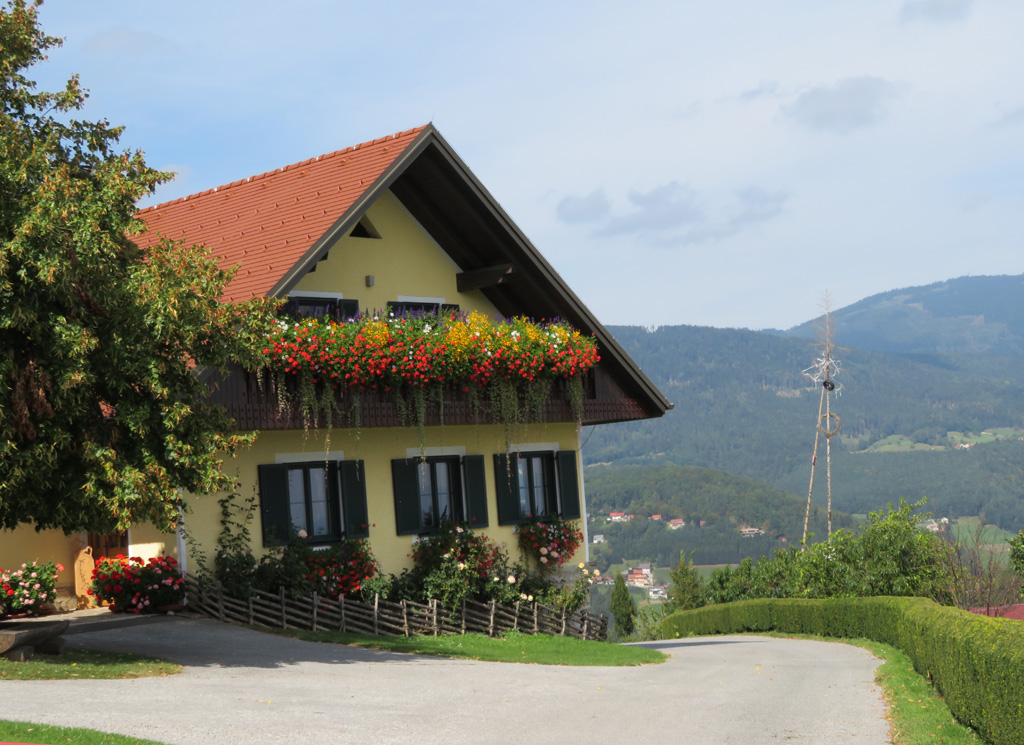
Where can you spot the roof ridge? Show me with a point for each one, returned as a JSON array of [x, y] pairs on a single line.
[[284, 169]]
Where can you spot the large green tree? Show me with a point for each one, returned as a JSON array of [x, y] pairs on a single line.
[[102, 346]]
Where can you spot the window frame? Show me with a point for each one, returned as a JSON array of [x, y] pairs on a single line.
[[467, 484], [345, 486], [337, 306], [565, 499]]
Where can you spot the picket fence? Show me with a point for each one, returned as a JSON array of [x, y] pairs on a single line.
[[405, 618]]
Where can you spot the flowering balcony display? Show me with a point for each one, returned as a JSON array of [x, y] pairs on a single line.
[[510, 361]]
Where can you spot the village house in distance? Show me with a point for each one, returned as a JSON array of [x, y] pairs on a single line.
[[395, 225]]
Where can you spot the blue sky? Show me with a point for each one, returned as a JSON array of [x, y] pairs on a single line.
[[716, 164]]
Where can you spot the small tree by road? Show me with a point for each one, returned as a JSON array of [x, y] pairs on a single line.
[[623, 608]]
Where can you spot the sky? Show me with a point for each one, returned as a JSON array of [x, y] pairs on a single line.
[[680, 162]]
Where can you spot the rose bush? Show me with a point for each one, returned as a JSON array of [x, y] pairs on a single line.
[[25, 590], [131, 584], [550, 541]]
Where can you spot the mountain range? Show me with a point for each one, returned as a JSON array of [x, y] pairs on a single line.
[[923, 370]]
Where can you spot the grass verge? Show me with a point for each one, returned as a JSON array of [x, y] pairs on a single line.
[[24, 732], [85, 664], [917, 713], [512, 646]]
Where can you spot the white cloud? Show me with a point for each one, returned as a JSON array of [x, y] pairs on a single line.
[[941, 11], [573, 209], [1012, 118], [674, 214], [848, 105], [765, 88], [665, 207]]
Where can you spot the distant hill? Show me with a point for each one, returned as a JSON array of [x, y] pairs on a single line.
[[967, 315], [715, 505], [742, 405]]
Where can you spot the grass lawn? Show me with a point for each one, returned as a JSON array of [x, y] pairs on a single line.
[[86, 664], [25, 732], [538, 649]]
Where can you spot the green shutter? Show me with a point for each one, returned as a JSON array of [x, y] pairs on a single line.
[[407, 495], [506, 488], [476, 491], [568, 485], [274, 513], [353, 499]]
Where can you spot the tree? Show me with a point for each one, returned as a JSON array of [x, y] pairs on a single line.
[[687, 590], [623, 608], [102, 348], [1017, 554]]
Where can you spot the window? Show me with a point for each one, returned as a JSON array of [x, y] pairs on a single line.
[[536, 484], [327, 500], [401, 307], [310, 306], [431, 490]]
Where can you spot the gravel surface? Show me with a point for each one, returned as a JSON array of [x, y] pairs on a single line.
[[241, 686]]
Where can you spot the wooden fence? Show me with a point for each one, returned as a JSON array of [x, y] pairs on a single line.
[[404, 618]]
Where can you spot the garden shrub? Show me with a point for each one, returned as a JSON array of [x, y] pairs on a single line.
[[131, 584], [975, 662], [25, 590]]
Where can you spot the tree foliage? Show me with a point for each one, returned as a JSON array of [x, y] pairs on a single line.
[[101, 346], [892, 556], [623, 608]]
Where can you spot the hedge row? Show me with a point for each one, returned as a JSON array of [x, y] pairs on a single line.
[[975, 662]]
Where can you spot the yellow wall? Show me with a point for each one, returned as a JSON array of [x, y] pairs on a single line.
[[404, 261], [377, 448], [25, 545]]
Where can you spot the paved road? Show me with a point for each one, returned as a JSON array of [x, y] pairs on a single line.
[[240, 686]]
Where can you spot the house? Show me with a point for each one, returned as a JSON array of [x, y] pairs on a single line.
[[393, 225], [656, 517], [599, 538], [751, 532], [637, 578], [617, 517], [676, 523]]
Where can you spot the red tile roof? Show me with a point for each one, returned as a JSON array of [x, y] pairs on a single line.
[[1015, 612], [265, 224]]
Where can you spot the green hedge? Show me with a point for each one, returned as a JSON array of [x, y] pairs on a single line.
[[976, 662]]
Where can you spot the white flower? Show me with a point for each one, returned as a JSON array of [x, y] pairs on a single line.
[[461, 566], [302, 534], [543, 559], [511, 579], [543, 551]]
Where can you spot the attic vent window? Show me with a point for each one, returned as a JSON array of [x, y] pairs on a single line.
[[364, 229]]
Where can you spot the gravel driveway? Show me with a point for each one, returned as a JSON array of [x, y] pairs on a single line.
[[241, 686]]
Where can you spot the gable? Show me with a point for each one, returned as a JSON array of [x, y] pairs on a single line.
[[403, 262]]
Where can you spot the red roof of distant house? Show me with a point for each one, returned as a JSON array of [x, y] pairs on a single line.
[[266, 223], [1015, 612]]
